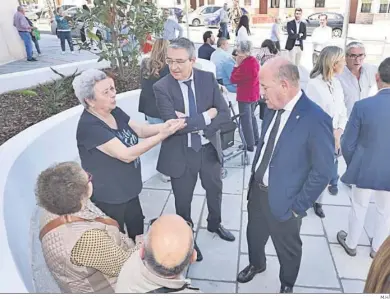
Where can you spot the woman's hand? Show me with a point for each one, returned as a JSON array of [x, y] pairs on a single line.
[[171, 126]]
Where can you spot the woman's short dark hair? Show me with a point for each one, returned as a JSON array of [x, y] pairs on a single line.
[[61, 188], [244, 21], [270, 45]]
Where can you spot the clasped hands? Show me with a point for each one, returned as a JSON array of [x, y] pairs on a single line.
[[171, 126]]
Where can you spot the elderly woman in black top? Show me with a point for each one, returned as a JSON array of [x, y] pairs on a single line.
[[107, 140]]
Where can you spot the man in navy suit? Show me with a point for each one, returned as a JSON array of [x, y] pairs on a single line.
[[366, 146], [292, 166]]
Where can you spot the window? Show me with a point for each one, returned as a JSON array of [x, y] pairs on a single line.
[[290, 3], [366, 6], [275, 3], [319, 3], [383, 8]]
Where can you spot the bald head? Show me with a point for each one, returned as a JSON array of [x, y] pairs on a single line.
[[169, 246], [279, 79]]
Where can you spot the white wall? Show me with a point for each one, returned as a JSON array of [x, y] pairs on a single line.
[[11, 45]]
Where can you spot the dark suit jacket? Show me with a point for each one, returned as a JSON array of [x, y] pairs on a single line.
[[172, 160], [365, 143], [205, 51], [302, 161], [293, 35], [147, 100]]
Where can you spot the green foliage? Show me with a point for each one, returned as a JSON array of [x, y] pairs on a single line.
[[27, 92], [117, 22], [59, 90]]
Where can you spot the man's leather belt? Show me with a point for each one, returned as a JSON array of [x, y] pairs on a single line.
[[64, 219]]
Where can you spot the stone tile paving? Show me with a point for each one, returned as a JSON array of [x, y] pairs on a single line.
[[325, 267], [51, 50]]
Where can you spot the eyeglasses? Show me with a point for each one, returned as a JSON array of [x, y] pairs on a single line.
[[357, 56], [178, 62]]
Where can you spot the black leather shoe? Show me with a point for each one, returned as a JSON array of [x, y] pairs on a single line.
[[318, 210], [333, 190], [285, 289], [248, 273], [199, 256], [224, 234]]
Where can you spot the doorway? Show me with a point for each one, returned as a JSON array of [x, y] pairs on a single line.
[[353, 11], [263, 7]]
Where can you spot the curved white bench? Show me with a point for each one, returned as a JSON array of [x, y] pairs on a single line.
[[22, 158]]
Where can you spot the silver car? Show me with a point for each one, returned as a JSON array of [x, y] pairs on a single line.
[[202, 13]]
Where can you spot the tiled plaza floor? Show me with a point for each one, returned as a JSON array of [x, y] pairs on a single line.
[[325, 267]]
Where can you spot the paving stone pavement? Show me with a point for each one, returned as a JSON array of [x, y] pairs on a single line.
[[325, 267]]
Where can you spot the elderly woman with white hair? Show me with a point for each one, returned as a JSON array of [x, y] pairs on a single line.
[[107, 140], [325, 90], [246, 75]]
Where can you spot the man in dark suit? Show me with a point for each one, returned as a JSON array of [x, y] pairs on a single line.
[[296, 31], [193, 94], [292, 166], [365, 145], [207, 48]]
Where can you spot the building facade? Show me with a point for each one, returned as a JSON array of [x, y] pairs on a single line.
[[11, 46], [361, 11]]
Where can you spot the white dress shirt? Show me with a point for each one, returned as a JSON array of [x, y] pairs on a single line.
[[321, 37], [354, 89], [330, 97], [207, 119], [242, 35], [298, 24], [283, 120]]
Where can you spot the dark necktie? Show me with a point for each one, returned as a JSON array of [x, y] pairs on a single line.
[[259, 174], [196, 143]]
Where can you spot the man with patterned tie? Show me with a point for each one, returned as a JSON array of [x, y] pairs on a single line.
[[291, 168], [196, 150]]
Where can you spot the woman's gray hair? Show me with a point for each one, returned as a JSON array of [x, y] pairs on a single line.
[[245, 47], [84, 84], [351, 45], [183, 43]]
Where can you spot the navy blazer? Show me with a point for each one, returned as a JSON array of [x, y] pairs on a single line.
[[302, 161], [293, 35], [365, 143], [172, 160]]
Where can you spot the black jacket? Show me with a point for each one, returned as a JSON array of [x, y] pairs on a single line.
[[147, 100], [293, 36]]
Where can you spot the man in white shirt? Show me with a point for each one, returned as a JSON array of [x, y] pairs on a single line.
[[290, 170], [224, 21], [366, 146], [358, 78], [321, 37]]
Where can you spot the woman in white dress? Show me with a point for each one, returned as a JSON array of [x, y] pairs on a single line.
[[243, 32], [325, 89]]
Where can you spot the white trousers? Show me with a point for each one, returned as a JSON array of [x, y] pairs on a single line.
[[360, 201], [295, 55]]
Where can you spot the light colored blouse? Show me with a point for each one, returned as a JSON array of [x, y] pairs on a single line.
[[330, 97], [242, 35]]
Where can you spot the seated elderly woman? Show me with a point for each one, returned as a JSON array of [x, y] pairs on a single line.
[[107, 140], [83, 248], [246, 75]]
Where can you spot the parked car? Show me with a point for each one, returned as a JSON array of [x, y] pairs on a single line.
[[198, 16], [178, 13], [213, 19], [335, 21]]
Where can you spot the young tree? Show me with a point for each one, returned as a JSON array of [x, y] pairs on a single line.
[[118, 28]]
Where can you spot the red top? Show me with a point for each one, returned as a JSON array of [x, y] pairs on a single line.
[[246, 76], [147, 47]]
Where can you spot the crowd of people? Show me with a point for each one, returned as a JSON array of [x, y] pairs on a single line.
[[92, 226]]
